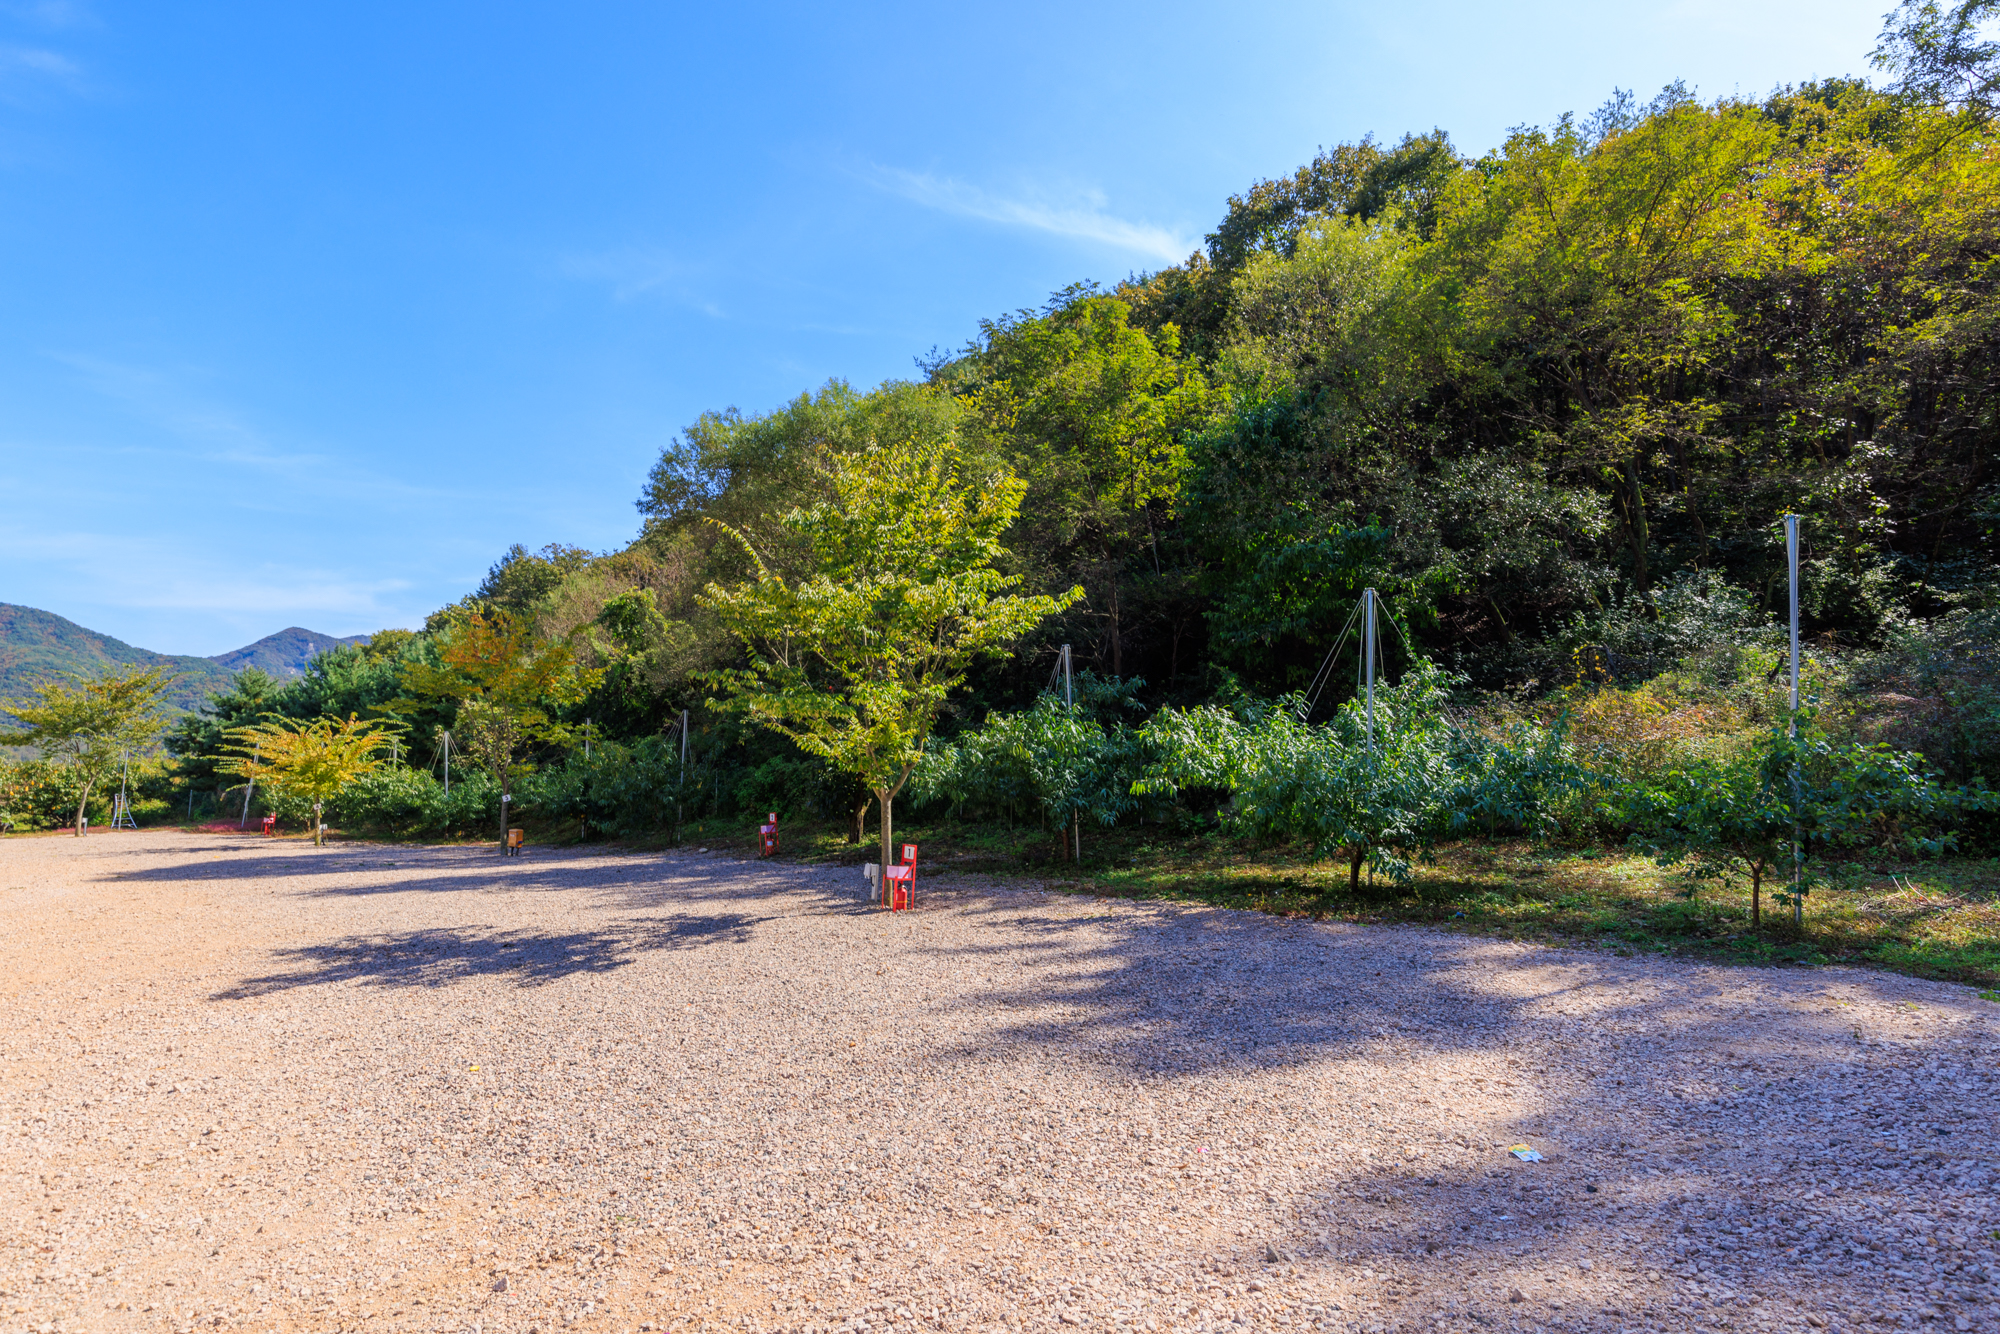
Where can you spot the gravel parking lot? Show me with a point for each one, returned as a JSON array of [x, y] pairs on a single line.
[[250, 1084]]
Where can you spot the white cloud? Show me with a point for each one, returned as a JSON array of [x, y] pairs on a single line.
[[50, 13], [21, 66], [225, 581], [1083, 218], [635, 272], [218, 435]]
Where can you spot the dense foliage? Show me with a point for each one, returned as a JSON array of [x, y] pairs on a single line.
[[1551, 401]]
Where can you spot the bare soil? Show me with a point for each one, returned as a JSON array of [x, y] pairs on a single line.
[[246, 1083]]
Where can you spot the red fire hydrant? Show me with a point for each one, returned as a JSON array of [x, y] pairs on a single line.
[[271, 824], [767, 837]]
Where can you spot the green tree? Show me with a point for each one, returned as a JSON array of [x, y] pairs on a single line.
[[195, 738], [1796, 789], [92, 725], [1094, 414], [510, 688], [1945, 55], [1376, 796], [853, 658]]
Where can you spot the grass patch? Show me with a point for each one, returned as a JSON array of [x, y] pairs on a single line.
[[1937, 919]]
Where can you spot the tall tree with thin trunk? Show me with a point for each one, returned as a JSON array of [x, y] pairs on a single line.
[[509, 685], [853, 657], [92, 724]]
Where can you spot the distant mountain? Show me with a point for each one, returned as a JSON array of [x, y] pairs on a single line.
[[285, 653], [38, 646]]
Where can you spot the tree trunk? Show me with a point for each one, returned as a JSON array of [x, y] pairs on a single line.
[[82, 805], [885, 797], [857, 829], [1354, 856], [1635, 525], [319, 813], [1117, 644], [1757, 895]]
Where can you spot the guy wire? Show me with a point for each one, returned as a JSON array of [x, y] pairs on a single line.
[[1325, 672]]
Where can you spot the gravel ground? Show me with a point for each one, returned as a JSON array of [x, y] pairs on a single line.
[[247, 1083]]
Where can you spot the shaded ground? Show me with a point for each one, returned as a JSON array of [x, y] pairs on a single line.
[[253, 1084], [1930, 919]]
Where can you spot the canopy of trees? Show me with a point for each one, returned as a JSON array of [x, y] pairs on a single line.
[[1551, 401]]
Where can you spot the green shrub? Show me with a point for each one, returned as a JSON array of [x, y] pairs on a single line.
[[37, 794], [413, 803]]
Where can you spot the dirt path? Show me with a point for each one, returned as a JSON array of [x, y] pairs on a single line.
[[247, 1084]]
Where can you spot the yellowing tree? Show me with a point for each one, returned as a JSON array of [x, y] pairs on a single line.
[[508, 684], [314, 760], [853, 657], [90, 725]]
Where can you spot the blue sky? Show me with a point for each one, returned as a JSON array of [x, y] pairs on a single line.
[[307, 311]]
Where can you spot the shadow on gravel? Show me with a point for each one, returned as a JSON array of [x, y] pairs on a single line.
[[641, 880], [439, 957], [1206, 991], [1701, 1104]]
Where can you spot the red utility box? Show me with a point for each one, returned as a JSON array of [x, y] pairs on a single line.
[[899, 883], [271, 824]]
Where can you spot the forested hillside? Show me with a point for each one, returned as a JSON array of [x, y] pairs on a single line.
[[287, 653], [1552, 402], [1550, 399], [38, 646]]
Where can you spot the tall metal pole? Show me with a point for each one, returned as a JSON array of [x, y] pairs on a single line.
[[447, 764], [679, 814], [1368, 656], [1792, 561], [1792, 564], [1075, 817]]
